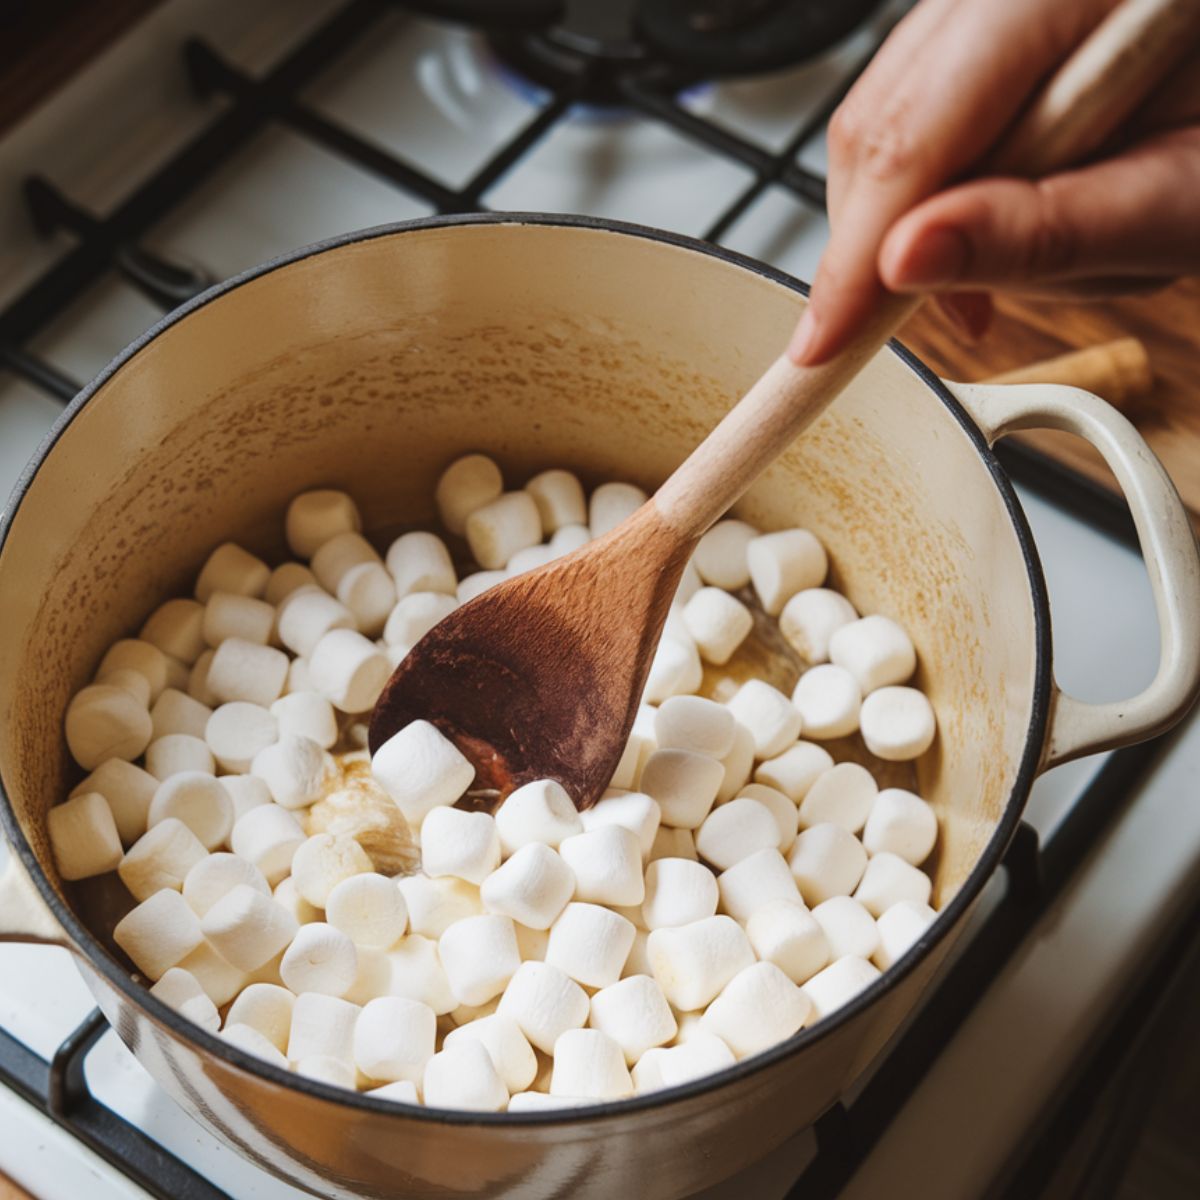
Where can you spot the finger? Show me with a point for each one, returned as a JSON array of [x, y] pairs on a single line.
[[969, 312], [1088, 290]]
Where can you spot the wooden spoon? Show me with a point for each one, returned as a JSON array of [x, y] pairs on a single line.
[[541, 677]]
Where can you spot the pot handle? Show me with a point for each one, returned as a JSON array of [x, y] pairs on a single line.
[[24, 915], [1167, 543]]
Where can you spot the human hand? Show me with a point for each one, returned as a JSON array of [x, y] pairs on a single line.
[[936, 98]]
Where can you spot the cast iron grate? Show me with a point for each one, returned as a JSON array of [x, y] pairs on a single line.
[[111, 244]]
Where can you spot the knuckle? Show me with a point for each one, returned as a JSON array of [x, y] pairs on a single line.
[[845, 128], [887, 148], [1054, 248]]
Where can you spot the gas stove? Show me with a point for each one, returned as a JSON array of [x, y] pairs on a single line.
[[215, 135]]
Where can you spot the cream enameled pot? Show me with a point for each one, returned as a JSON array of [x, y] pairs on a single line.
[[369, 363]]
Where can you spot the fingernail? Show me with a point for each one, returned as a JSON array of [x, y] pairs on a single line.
[[939, 258], [802, 339]]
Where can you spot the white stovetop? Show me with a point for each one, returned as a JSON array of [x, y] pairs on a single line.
[[420, 90]]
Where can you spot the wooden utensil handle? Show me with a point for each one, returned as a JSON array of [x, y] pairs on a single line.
[[1114, 370]]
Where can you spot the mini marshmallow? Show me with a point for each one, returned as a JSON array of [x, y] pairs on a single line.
[[322, 1026], [422, 770], [242, 670], [607, 863], [435, 904], [590, 944], [252, 1042], [811, 617], [501, 527], [559, 498], [756, 880], [328, 1070], [178, 752], [635, 1014], [532, 887], [639, 746], [348, 670], [532, 943], [394, 1038], [320, 959], [795, 770], [295, 769], [540, 811], [476, 584], [160, 858], [213, 877], [612, 503], [672, 843], [135, 655], [246, 792], [463, 844], [875, 650], [638, 962], [545, 1002], [588, 1063], [692, 963], [285, 579], [105, 722], [313, 518], [887, 880], [220, 980], [305, 714], [848, 927], [404, 1092], [176, 712], [737, 764], [198, 800], [197, 684], [898, 723], [268, 836], [788, 935], [368, 591], [463, 1076], [323, 861], [634, 811], [900, 927], [84, 837], [179, 989], [229, 615], [229, 568], [415, 615], [369, 909], [542, 1102], [842, 795], [420, 562], [285, 893], [507, 1046], [900, 823], [178, 674], [128, 790], [675, 670], [267, 1008], [718, 623], [828, 700], [568, 539], [159, 933], [689, 584], [757, 1008], [787, 819], [769, 715], [176, 627], [339, 555], [674, 1065], [465, 485], [479, 956], [684, 785], [128, 680], [827, 860], [307, 616], [720, 555], [695, 724], [247, 928], [528, 559], [298, 678], [735, 831], [372, 975], [838, 984], [416, 972], [784, 563]]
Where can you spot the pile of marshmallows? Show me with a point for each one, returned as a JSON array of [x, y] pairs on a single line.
[[733, 885]]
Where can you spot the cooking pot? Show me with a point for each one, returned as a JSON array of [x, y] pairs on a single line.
[[369, 363]]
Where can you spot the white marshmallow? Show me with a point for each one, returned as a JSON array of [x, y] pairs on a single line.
[[720, 555], [176, 753], [674, 1065], [901, 823], [298, 678], [770, 716], [476, 584], [128, 790], [320, 959], [757, 1008], [84, 837], [898, 723], [176, 712], [420, 562], [692, 963], [612, 503], [241, 670], [756, 880], [787, 819], [524, 1102], [568, 539], [285, 893], [559, 498], [214, 876], [220, 980], [848, 927], [638, 962], [305, 714], [104, 722], [529, 559], [328, 1070], [246, 792], [532, 943], [887, 880], [295, 769], [693, 723], [315, 517], [737, 764], [416, 972], [635, 1014], [176, 627], [247, 928], [689, 584], [875, 650], [639, 746], [368, 591], [159, 933], [463, 1077], [266, 1007], [463, 844], [268, 836], [435, 904], [675, 670], [394, 1038], [838, 984], [133, 654], [788, 935], [128, 680], [540, 811], [795, 770], [507, 1046], [307, 615], [828, 700], [415, 615], [718, 623], [322, 1026], [229, 615], [179, 989], [545, 1003], [422, 770], [811, 617], [590, 944], [404, 1092], [348, 670], [784, 563], [338, 555], [229, 568], [197, 684], [501, 527], [466, 484], [684, 785], [634, 811], [842, 795], [479, 956], [673, 843], [532, 887], [323, 861], [178, 674], [607, 863], [285, 579], [588, 1063], [827, 860], [735, 831], [369, 909], [900, 928], [160, 858], [252, 1042]]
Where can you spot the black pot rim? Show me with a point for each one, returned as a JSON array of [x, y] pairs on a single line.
[[119, 978]]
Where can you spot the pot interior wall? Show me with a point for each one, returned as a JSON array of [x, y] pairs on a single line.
[[372, 365]]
